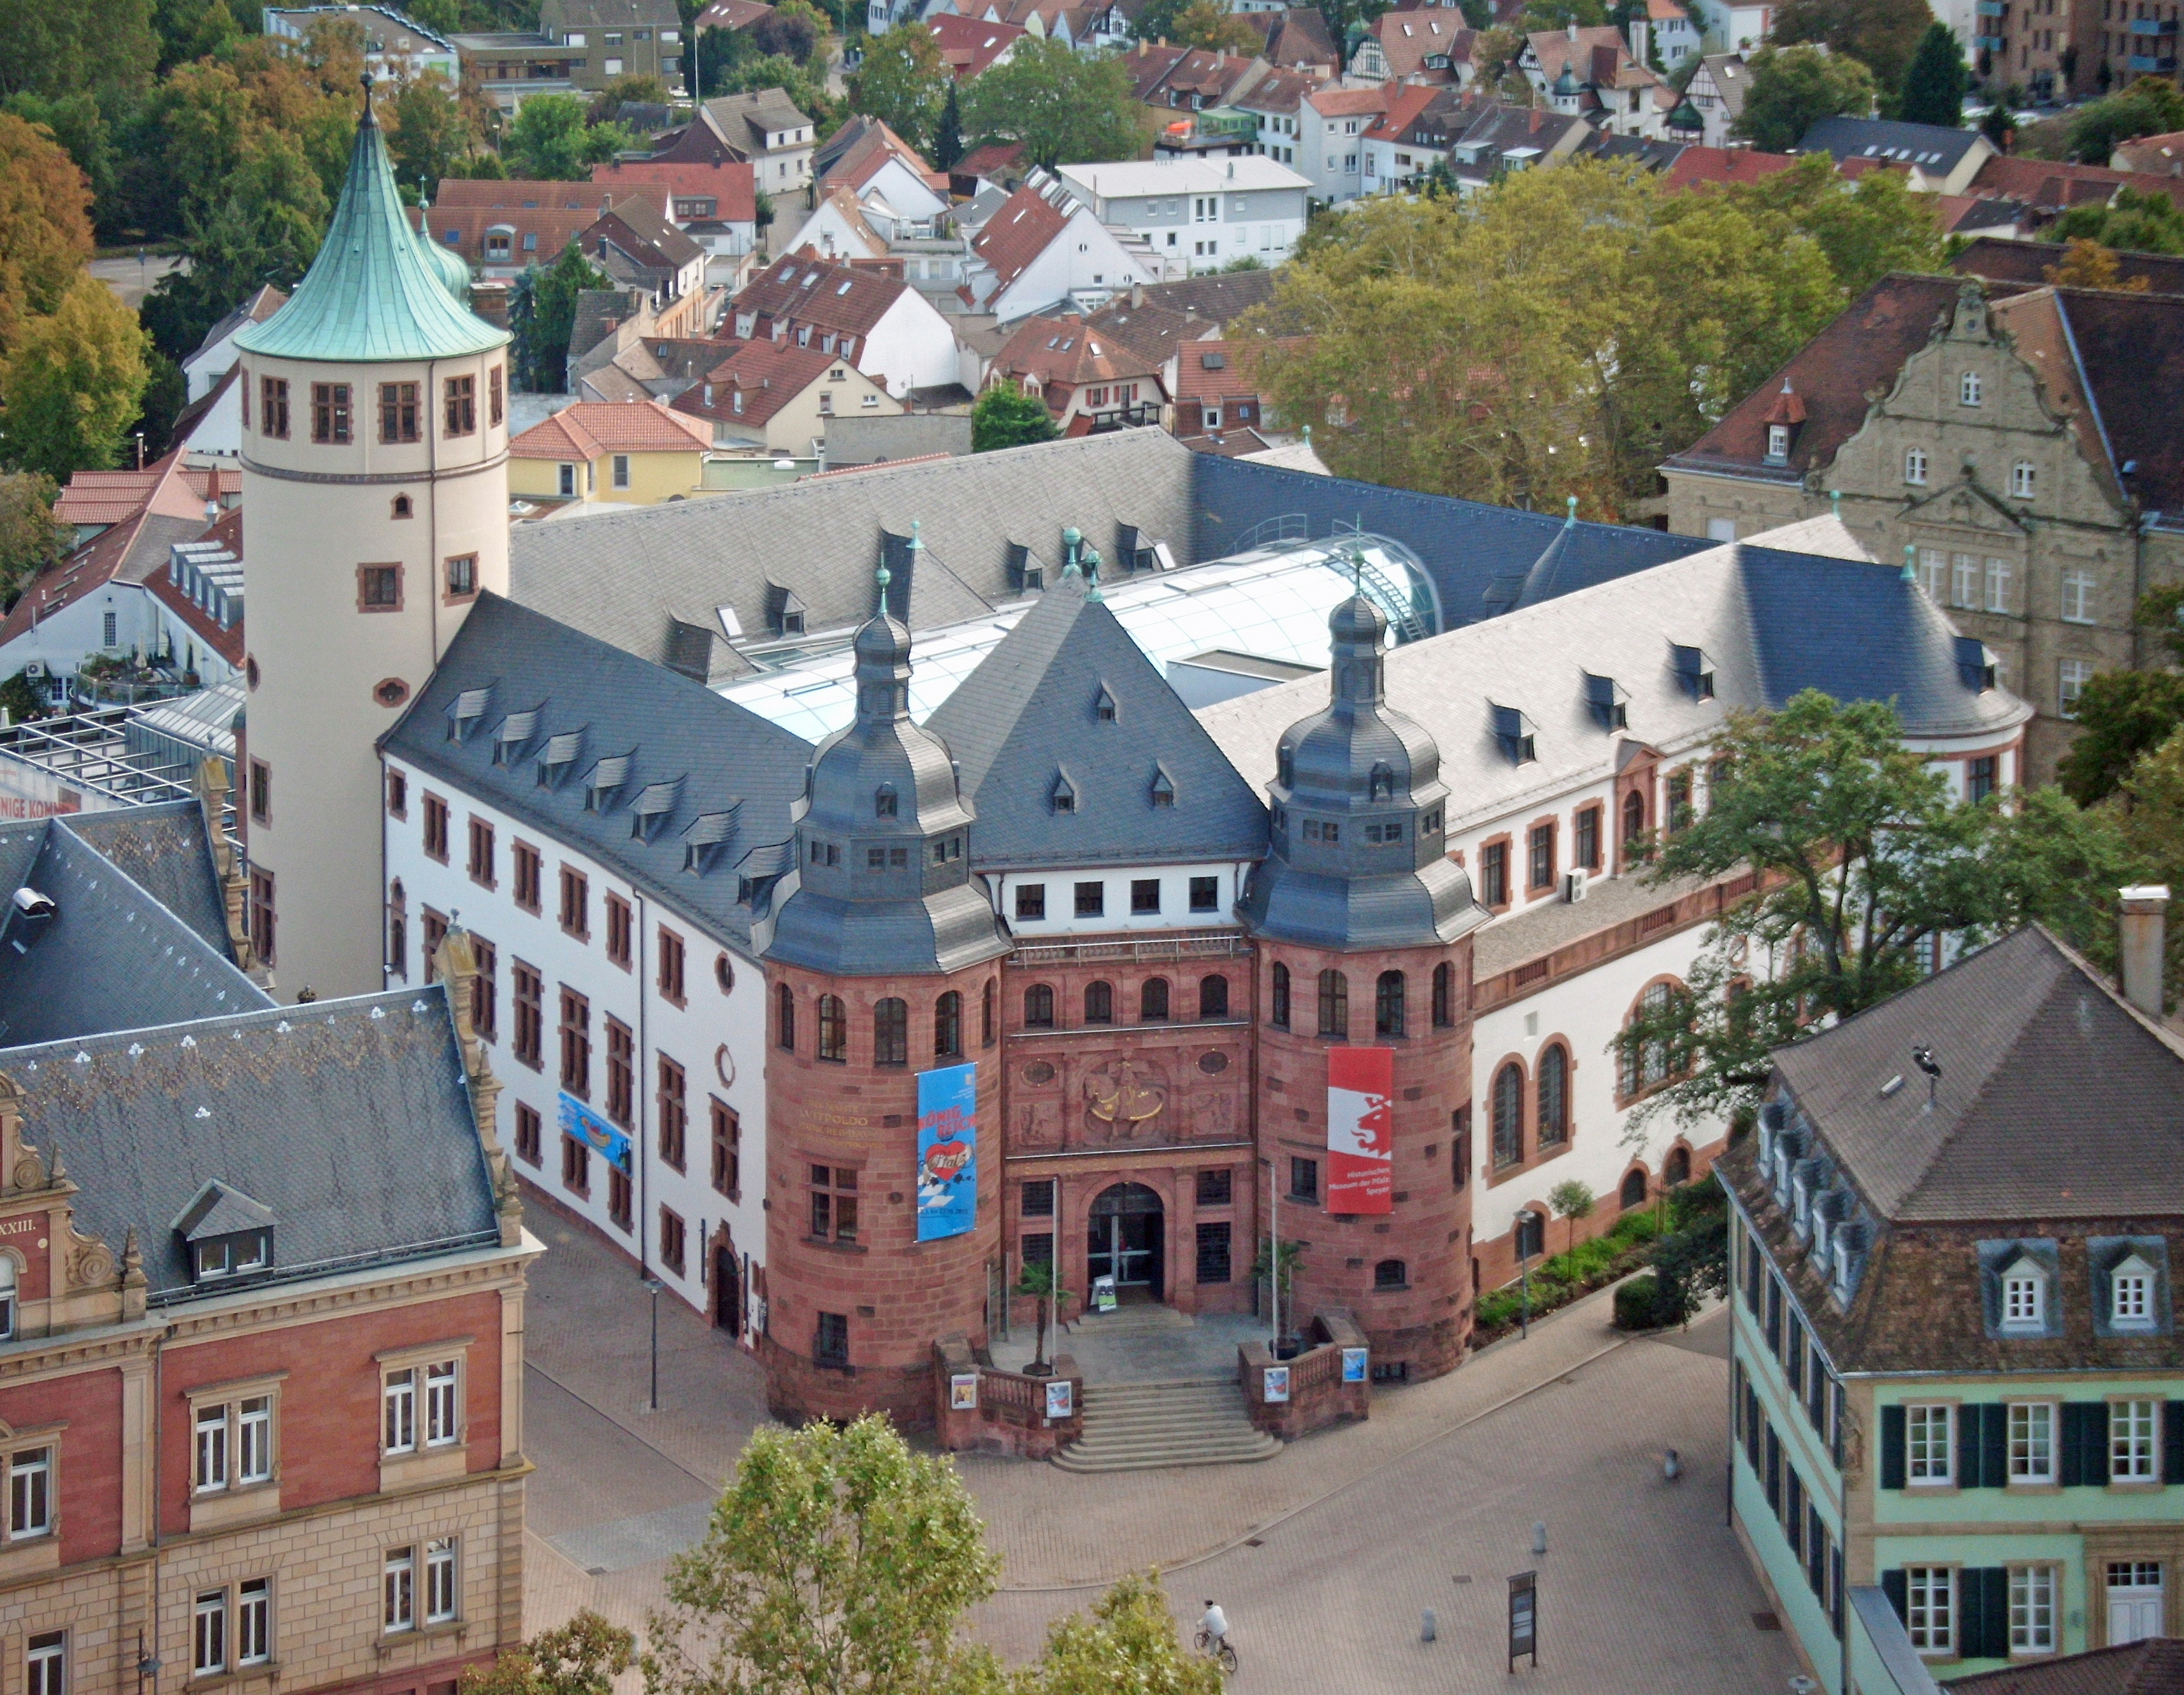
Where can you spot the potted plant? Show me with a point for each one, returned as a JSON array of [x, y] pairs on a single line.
[[1287, 1344], [1038, 1280]]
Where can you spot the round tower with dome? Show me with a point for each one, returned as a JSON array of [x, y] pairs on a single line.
[[374, 496]]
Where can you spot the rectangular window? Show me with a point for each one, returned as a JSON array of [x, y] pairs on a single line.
[[273, 407], [621, 1073], [398, 1429], [481, 856], [2072, 680], [1031, 900], [436, 828], [575, 1032], [528, 868], [30, 1492], [211, 1448], [461, 407], [621, 470], [253, 1440], [1038, 1198], [576, 1166], [498, 410], [1304, 1179], [262, 915], [1965, 587], [397, 796], [673, 1103], [674, 1241], [2134, 1437], [1213, 1265], [1216, 1187], [462, 576], [2032, 1609], [443, 1420], [1540, 852], [261, 792], [440, 1588], [2077, 597], [253, 1621], [728, 1151], [1930, 1595], [1588, 838], [618, 939], [833, 1198], [830, 1340], [529, 1134], [2031, 1442], [1204, 894], [1929, 1444], [618, 1196], [1493, 874], [397, 412], [329, 413], [1997, 585], [1091, 899], [379, 589], [1979, 777], [1145, 895], [671, 965], [576, 903], [528, 994], [208, 1636], [484, 990]]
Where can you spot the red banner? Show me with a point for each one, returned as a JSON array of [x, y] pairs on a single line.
[[1361, 1132]]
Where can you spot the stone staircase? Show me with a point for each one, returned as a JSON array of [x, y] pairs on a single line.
[[1145, 1427]]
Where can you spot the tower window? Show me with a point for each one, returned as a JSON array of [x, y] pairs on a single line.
[[493, 391], [379, 589], [462, 576], [1212, 997], [398, 411], [273, 407], [1038, 1007], [833, 1030], [891, 1032], [1277, 1012], [1444, 997], [401, 508], [1334, 1005], [330, 412], [948, 1026], [1152, 1001], [1099, 1003], [1388, 1013], [460, 408]]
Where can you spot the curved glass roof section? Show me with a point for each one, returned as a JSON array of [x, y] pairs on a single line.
[[1271, 603]]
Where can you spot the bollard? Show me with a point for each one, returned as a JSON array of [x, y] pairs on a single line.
[[1426, 1626], [1539, 1536]]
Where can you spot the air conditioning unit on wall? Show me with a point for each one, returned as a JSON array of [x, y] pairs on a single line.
[[1574, 885]]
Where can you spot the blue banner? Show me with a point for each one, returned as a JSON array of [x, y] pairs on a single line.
[[588, 1128], [947, 1152]]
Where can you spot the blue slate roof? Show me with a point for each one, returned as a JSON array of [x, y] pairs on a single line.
[[1931, 147], [1467, 548], [163, 848], [349, 1121], [532, 680], [1031, 711]]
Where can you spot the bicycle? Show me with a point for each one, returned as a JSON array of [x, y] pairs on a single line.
[[1216, 1649]]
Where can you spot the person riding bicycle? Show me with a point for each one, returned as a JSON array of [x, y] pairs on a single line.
[[1214, 1627]]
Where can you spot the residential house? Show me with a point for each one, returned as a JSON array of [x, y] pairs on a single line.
[[617, 38], [1431, 46], [638, 248], [1716, 92], [1331, 126], [503, 228], [1214, 391], [1590, 73], [1937, 160], [212, 424], [995, 165], [1088, 26], [2160, 155], [1275, 103], [215, 355], [636, 452], [1500, 139], [1157, 318], [714, 204], [2046, 188], [1296, 38], [762, 128], [1957, 1395], [729, 15], [1050, 244], [1665, 31], [1196, 214], [970, 46], [1736, 27], [1413, 135], [514, 65], [200, 596], [1089, 382], [2013, 444], [1703, 167], [2006, 259], [777, 399], [1190, 78], [880, 325], [874, 162], [397, 47]]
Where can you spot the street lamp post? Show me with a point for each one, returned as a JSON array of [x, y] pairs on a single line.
[[655, 1284], [1274, 1255]]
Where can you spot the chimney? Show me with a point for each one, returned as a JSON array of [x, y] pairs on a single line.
[[2145, 912]]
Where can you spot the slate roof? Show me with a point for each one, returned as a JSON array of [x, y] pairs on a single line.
[[348, 1120], [2056, 1098], [265, 301], [371, 294], [1030, 710], [164, 850], [1931, 147], [729, 761], [2130, 356], [112, 957]]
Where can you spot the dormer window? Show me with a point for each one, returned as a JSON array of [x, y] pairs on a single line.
[[2130, 1295], [2024, 1298], [559, 756], [1103, 706], [225, 1233], [1383, 781], [1516, 733], [1610, 705], [1285, 765], [606, 782], [1064, 797], [1694, 671], [1163, 794], [1778, 444], [883, 801]]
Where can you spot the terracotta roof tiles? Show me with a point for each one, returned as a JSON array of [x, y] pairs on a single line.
[[589, 428]]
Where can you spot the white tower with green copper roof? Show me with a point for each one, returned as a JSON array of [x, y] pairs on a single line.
[[375, 497]]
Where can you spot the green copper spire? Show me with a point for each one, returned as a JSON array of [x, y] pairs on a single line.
[[372, 293]]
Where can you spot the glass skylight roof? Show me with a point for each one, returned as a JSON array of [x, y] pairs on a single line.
[[1272, 603]]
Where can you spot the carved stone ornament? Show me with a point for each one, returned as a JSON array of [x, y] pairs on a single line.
[[30, 1171], [1122, 1094]]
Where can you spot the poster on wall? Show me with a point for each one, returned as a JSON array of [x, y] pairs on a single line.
[[588, 1127], [947, 1152], [963, 1391], [1353, 1361], [1361, 1132], [1060, 1398], [1274, 1384]]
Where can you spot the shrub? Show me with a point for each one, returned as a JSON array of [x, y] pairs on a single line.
[[1637, 1304], [1499, 1310]]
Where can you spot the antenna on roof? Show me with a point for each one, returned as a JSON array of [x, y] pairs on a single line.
[[1910, 563], [1923, 1058]]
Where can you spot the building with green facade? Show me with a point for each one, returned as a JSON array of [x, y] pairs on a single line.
[[1957, 1388]]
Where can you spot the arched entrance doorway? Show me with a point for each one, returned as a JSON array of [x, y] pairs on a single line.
[[727, 1288], [1126, 1232]]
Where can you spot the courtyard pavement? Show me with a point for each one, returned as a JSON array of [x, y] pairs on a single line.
[[1324, 1557]]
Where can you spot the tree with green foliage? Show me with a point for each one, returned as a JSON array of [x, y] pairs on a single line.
[[549, 141], [2123, 715], [836, 1560], [76, 122], [2135, 221], [2149, 810], [60, 47], [541, 311], [1006, 416], [1792, 88], [428, 134], [904, 82], [30, 538], [1211, 27], [1935, 85], [948, 134], [1128, 1646], [582, 1656], [1998, 124], [2151, 106], [805, 85], [71, 383], [267, 229], [45, 224], [1571, 1200], [1882, 34], [1041, 1281], [1865, 862], [1879, 226], [1690, 1257], [1062, 107]]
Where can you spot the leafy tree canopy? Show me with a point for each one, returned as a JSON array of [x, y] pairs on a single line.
[[45, 224], [60, 47], [2122, 714], [904, 82], [1792, 88], [1064, 108], [1006, 416], [429, 133], [30, 538], [70, 383], [550, 141], [541, 311], [582, 1656], [1880, 35], [1212, 27], [2136, 222], [2088, 264], [1934, 86], [2152, 106]]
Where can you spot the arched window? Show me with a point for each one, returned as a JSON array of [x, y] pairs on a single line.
[[1508, 1115], [784, 1017], [1554, 1097], [1152, 1001], [1388, 1004], [948, 1026], [1444, 997], [1213, 996], [1646, 1064], [833, 1029], [986, 1012], [1634, 824], [1391, 1274], [1633, 1190], [891, 1032], [1099, 1003], [1277, 1013], [1383, 781], [401, 508], [1677, 1171], [883, 801], [1334, 1005], [1038, 1007]]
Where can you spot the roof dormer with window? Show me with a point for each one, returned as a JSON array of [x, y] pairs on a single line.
[[2021, 1282]]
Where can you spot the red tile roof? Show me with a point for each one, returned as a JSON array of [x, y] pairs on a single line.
[[170, 507], [592, 428], [1697, 167], [798, 289], [553, 227], [729, 14], [1211, 371], [1347, 102], [1019, 233], [728, 184], [515, 194], [2053, 187], [1064, 352], [969, 45], [986, 161], [1403, 107], [768, 375], [1408, 39]]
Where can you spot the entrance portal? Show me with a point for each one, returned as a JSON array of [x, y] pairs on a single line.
[[727, 1291], [1127, 1233]]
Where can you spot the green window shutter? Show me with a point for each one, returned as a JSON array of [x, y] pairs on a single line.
[[1897, 1588], [2080, 1456], [1994, 1449], [2172, 1442], [1892, 1447], [1983, 1602]]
